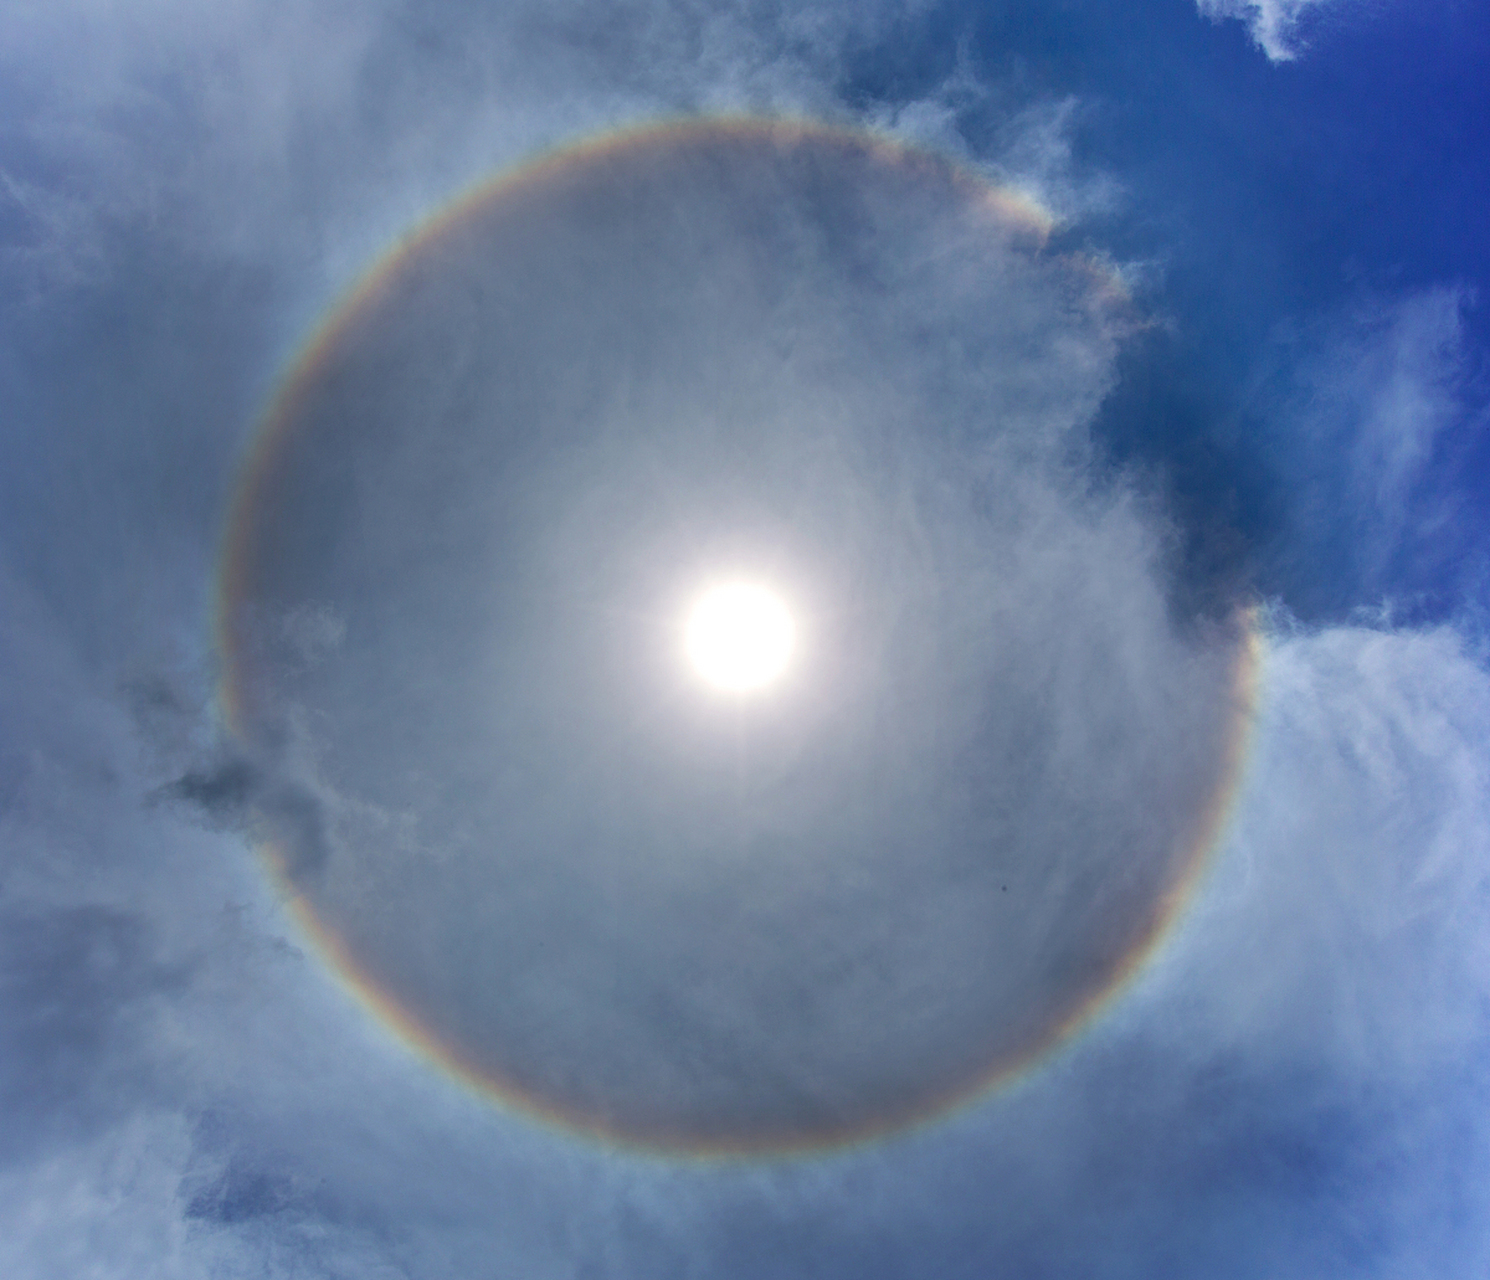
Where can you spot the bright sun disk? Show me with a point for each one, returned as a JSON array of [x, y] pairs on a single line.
[[739, 637]]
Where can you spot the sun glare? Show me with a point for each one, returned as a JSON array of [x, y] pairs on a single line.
[[739, 637]]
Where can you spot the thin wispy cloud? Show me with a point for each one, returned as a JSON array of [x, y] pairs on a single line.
[[1275, 24]]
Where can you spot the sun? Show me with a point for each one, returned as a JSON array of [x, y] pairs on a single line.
[[739, 637]]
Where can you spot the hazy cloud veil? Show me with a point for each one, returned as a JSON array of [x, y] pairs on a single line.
[[379, 896]]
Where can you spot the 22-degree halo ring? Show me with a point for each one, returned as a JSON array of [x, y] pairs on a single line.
[[294, 468]]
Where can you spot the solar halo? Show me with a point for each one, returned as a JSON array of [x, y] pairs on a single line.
[[644, 922]]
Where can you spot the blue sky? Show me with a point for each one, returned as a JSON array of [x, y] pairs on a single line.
[[1286, 410]]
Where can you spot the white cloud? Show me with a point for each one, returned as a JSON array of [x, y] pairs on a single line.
[[258, 128], [1364, 426], [1274, 23], [1324, 1008], [1347, 926], [1392, 384], [99, 1211]]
